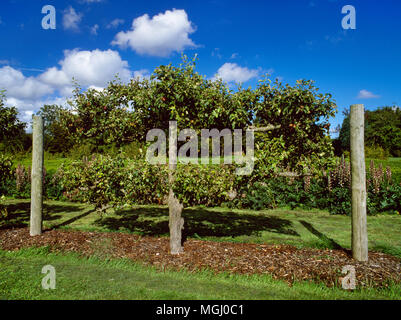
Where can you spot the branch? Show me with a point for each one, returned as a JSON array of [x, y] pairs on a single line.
[[263, 129], [293, 174]]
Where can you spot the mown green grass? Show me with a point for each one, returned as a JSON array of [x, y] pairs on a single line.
[[94, 278], [313, 228], [51, 165]]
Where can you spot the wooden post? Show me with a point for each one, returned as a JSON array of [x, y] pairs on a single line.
[[37, 177], [176, 222], [358, 184]]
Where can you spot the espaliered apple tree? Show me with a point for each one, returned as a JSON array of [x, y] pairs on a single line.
[[182, 95], [125, 112]]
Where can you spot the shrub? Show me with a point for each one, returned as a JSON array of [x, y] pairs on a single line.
[[134, 150], [209, 185], [5, 172], [113, 181], [116, 180], [19, 185], [260, 196], [145, 183], [97, 180], [3, 208], [22, 182], [80, 151], [376, 152]]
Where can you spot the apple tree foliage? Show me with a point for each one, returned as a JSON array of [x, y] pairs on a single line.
[[125, 112], [302, 142]]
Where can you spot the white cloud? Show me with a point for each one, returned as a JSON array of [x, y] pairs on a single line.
[[234, 55], [99, 89], [28, 108], [27, 115], [19, 86], [71, 19], [115, 23], [365, 94], [88, 68], [141, 74], [55, 77], [231, 72], [94, 29], [160, 36]]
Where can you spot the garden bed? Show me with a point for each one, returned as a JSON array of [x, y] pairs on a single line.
[[281, 261]]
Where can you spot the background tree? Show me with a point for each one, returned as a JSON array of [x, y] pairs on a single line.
[[382, 130], [344, 135], [12, 130], [57, 136]]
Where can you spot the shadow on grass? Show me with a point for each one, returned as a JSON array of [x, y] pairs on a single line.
[[330, 243], [19, 214], [69, 221], [198, 222]]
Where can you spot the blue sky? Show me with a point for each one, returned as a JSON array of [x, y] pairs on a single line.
[[237, 40]]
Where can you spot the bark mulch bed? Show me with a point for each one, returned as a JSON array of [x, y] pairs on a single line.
[[281, 261]]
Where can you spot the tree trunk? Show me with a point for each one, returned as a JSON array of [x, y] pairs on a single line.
[[176, 222], [37, 178], [358, 185]]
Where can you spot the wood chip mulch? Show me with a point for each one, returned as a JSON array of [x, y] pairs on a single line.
[[281, 261]]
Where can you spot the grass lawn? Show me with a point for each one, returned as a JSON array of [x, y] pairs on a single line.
[[300, 228], [51, 165], [93, 278]]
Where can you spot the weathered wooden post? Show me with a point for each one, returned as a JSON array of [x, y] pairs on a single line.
[[37, 177], [358, 184], [176, 222]]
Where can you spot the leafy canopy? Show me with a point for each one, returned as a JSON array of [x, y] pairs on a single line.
[[382, 129], [123, 113], [11, 128]]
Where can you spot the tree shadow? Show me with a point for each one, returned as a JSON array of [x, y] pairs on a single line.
[[328, 241], [198, 221], [69, 221], [19, 214]]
